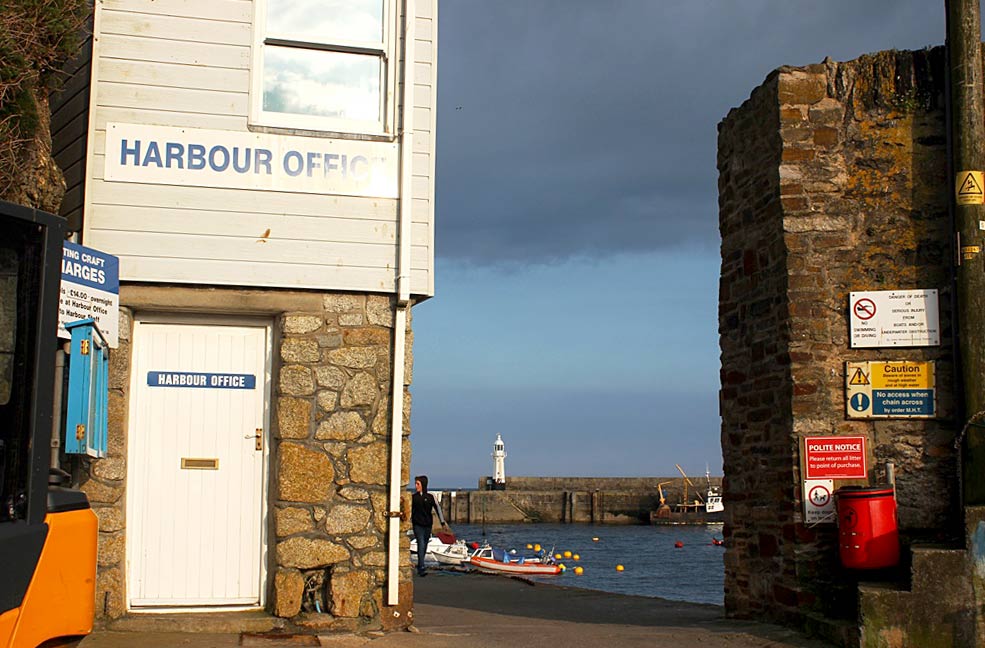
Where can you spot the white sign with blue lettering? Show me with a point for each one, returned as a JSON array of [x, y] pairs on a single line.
[[241, 160], [90, 288], [198, 380]]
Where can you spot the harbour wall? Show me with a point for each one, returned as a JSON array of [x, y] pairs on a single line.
[[566, 500]]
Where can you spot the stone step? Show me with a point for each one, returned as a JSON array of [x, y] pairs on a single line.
[[251, 621], [940, 573], [936, 610]]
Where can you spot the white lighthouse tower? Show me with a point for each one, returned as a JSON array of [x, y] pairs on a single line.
[[499, 464]]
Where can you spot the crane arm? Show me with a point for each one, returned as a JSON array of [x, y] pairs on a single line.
[[660, 490], [690, 483]]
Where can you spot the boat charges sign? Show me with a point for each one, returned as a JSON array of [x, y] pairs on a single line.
[[890, 389], [90, 289], [884, 318], [243, 160], [834, 457]]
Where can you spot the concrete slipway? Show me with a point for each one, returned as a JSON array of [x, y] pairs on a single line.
[[475, 611]]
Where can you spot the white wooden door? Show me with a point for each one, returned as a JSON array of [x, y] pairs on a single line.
[[196, 467]]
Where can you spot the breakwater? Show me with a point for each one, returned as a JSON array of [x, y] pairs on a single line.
[[594, 500]]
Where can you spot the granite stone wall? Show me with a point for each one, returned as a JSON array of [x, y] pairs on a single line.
[[832, 178], [330, 515], [329, 464]]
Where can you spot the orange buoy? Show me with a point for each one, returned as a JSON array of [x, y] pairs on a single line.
[[678, 544]]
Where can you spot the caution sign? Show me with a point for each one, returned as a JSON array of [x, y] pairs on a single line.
[[891, 389], [968, 188]]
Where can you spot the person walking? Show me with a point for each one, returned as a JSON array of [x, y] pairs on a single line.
[[422, 503]]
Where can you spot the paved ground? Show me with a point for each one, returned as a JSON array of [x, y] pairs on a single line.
[[476, 611]]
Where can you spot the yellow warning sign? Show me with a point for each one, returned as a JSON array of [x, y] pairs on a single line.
[[902, 375], [858, 378], [968, 186]]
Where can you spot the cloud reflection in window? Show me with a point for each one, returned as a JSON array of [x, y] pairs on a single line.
[[320, 83], [326, 21]]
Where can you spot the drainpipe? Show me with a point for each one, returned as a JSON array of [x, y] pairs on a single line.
[[56, 419], [403, 305]]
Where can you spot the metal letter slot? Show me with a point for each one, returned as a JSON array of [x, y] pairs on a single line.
[[187, 463]]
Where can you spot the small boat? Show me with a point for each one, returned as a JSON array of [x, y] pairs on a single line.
[[496, 561], [455, 554], [434, 543]]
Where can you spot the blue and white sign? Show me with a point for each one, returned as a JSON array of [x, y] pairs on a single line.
[[902, 402], [197, 380], [90, 288], [242, 160]]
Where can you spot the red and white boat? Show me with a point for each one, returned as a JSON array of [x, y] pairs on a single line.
[[506, 564]]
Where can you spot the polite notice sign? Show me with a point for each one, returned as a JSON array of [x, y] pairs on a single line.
[[891, 389], [819, 506], [90, 288], [834, 457], [885, 318]]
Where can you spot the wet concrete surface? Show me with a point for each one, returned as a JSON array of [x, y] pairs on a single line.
[[454, 610]]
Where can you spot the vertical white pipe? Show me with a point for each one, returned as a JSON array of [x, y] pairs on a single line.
[[56, 419], [403, 304]]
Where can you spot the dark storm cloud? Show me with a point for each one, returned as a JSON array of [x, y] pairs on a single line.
[[589, 128]]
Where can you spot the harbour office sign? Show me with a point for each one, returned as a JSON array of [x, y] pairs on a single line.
[[256, 161]]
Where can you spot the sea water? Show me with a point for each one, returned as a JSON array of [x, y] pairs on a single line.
[[652, 564]]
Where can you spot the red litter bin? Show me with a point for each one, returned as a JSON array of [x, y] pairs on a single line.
[[868, 536]]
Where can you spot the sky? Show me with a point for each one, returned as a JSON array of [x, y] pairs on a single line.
[[576, 223]]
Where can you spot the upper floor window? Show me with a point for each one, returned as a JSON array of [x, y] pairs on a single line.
[[323, 65]]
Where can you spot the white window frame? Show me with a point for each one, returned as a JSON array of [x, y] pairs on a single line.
[[336, 126]]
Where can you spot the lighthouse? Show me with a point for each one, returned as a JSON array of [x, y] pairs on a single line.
[[499, 464]]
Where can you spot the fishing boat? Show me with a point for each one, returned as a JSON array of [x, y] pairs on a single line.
[[497, 561], [706, 509]]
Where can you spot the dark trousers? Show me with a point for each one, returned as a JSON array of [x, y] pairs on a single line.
[[422, 534]]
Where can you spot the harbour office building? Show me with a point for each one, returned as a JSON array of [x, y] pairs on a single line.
[[264, 170]]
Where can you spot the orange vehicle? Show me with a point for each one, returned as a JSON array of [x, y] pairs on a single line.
[[47, 531]]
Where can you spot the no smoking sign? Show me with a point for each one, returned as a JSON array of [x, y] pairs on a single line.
[[819, 506]]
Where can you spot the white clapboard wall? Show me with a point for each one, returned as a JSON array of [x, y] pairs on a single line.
[[186, 64]]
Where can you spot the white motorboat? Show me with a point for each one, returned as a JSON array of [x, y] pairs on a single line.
[[433, 543], [455, 554]]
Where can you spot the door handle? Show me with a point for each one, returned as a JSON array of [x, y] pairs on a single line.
[[259, 439]]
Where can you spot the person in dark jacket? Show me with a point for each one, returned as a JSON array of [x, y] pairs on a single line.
[[422, 503]]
